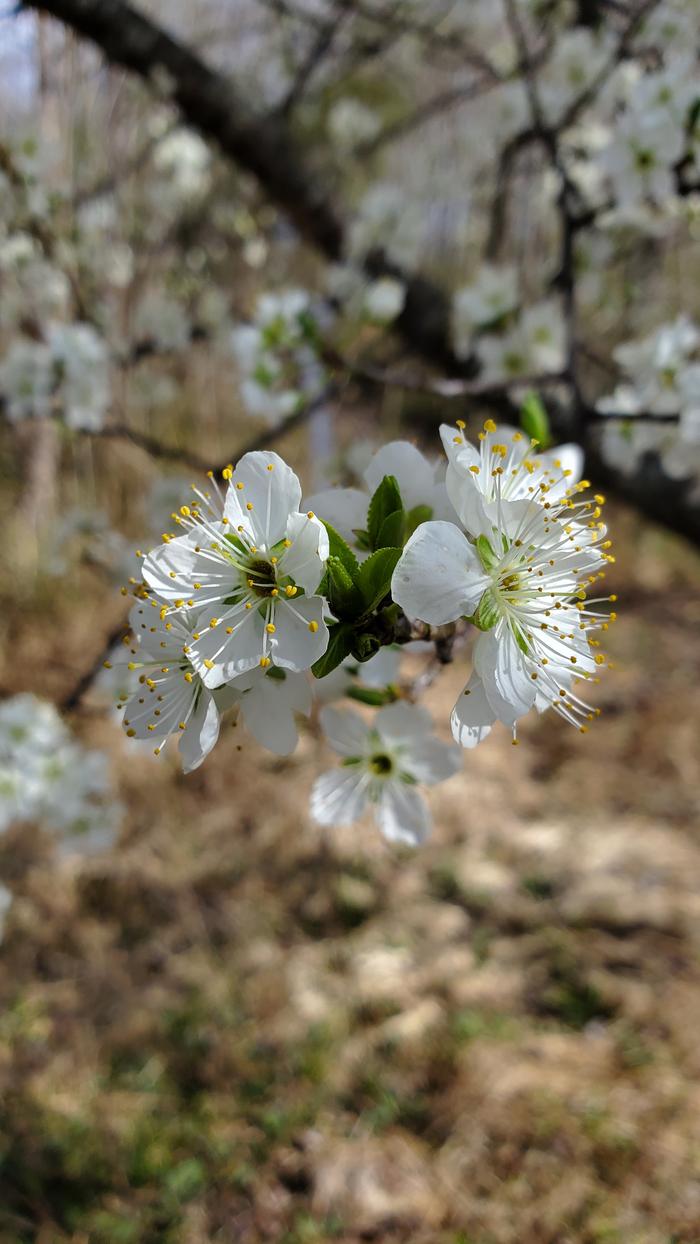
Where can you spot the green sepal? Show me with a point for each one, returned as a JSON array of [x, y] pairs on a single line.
[[365, 645], [487, 557], [277, 674], [487, 613], [338, 548], [521, 641], [339, 646], [385, 501], [374, 578], [534, 420]]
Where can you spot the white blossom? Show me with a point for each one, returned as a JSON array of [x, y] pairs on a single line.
[[383, 762], [254, 572]]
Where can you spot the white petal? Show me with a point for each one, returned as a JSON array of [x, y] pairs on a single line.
[[438, 577], [201, 733], [401, 723], [402, 815], [468, 501], [302, 635], [231, 654], [507, 683], [273, 494], [339, 797], [472, 715], [268, 708], [455, 444], [431, 762], [304, 562], [344, 508], [172, 569], [414, 474], [570, 458], [345, 731]]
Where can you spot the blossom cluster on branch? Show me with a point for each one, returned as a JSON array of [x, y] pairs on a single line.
[[257, 598]]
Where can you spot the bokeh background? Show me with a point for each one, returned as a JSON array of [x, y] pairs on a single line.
[[227, 1024]]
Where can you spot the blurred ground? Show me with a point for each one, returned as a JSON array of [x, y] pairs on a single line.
[[234, 1027]]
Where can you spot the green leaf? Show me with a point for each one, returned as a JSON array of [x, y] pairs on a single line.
[[345, 599], [362, 538], [386, 500], [373, 696], [341, 550], [419, 514], [535, 421], [488, 612], [391, 530], [339, 645], [374, 578], [487, 557]]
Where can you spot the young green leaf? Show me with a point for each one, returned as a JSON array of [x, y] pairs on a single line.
[[419, 514], [341, 550], [339, 645], [374, 578], [386, 500], [391, 531], [374, 696], [344, 597], [535, 421]]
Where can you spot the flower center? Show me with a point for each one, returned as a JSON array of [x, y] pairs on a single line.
[[381, 764], [261, 577]]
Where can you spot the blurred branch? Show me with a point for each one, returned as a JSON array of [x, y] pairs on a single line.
[[83, 684]]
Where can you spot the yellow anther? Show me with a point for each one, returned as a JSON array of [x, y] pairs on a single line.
[[131, 734], [475, 470], [239, 486], [249, 604], [489, 425], [188, 677], [274, 591], [209, 664], [107, 665], [460, 424], [270, 628], [185, 511], [265, 661], [310, 514], [313, 627], [458, 440], [287, 544], [249, 505], [213, 622], [227, 473], [166, 537], [270, 466], [290, 590]]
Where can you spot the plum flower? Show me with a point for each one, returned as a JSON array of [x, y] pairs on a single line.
[[252, 574], [172, 698], [506, 465], [522, 581], [383, 761]]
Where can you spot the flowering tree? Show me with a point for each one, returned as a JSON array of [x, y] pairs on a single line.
[[530, 307]]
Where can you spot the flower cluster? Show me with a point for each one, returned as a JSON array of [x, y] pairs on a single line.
[[259, 603], [48, 778], [70, 370], [277, 355], [662, 380]]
